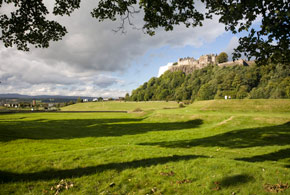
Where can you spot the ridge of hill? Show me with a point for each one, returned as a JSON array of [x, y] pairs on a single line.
[[214, 82]]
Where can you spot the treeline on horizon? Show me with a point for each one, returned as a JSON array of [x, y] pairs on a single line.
[[213, 82]]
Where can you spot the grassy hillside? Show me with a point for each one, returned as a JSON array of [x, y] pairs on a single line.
[[246, 105], [119, 106], [205, 148]]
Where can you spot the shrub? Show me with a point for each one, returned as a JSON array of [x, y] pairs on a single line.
[[181, 105], [186, 102], [222, 57], [137, 110]]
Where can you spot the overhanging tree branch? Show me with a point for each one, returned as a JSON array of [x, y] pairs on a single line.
[[28, 24]]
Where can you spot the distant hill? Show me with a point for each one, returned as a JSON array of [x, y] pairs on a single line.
[[20, 96]]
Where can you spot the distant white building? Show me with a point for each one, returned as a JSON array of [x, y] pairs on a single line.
[[163, 69]]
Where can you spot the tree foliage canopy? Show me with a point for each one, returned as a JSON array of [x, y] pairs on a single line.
[[222, 57], [214, 82], [28, 23]]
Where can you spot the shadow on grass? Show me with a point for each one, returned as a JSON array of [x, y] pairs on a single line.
[[274, 156], [78, 128], [9, 177], [243, 138], [235, 180]]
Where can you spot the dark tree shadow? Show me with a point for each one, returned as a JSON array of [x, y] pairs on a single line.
[[78, 128], [9, 177], [274, 156], [243, 138], [235, 180]]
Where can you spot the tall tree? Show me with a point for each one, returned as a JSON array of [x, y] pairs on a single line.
[[79, 100], [222, 57], [127, 97], [27, 24]]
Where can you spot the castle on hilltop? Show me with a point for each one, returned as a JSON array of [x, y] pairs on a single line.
[[200, 63], [189, 64]]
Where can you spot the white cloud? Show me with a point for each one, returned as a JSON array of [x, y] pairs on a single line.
[[234, 42], [162, 69], [83, 62]]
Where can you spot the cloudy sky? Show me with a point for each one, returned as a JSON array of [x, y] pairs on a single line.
[[93, 60]]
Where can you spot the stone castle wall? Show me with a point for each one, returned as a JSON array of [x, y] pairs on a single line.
[[188, 65], [203, 60], [233, 63], [187, 61], [208, 59]]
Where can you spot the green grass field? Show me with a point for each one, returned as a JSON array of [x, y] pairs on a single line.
[[119, 106], [208, 147]]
